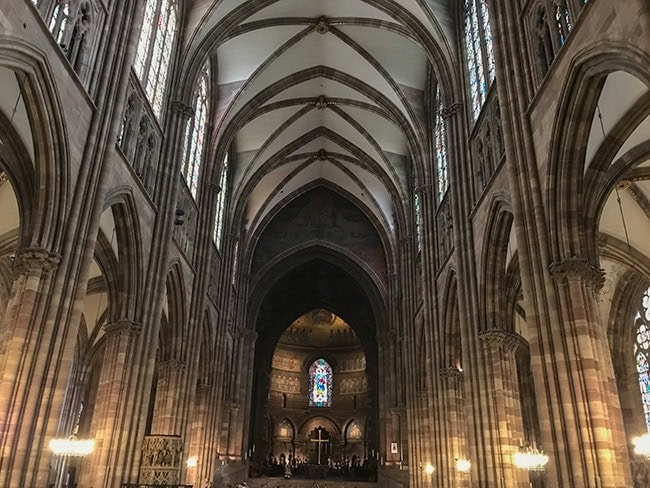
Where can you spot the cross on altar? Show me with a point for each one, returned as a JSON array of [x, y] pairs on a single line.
[[320, 442]]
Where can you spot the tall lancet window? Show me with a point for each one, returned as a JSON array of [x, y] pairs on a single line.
[[221, 203], [320, 384], [479, 52], [440, 135], [641, 352], [195, 134], [155, 49]]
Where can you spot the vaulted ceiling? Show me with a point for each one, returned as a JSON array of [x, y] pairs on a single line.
[[322, 90]]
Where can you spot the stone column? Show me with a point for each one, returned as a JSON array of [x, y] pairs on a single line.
[[113, 417], [589, 369], [27, 345], [502, 413], [170, 388], [199, 445], [454, 412]]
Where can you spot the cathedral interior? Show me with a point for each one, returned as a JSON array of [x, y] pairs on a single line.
[[282, 243]]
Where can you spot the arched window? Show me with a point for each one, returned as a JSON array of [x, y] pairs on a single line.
[[154, 49], [440, 135], [72, 25], [641, 352], [221, 203], [195, 134], [320, 384], [479, 52]]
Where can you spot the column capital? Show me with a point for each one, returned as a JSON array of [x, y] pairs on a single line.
[[424, 189], [171, 366], [405, 241], [576, 268], [451, 373], [203, 388], [36, 259], [450, 110], [500, 339], [184, 110], [123, 327]]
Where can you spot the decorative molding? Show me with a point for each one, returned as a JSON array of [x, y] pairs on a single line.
[[500, 339], [123, 327], [203, 388], [185, 111], [451, 110], [321, 103], [424, 189], [36, 259], [405, 241], [576, 268], [322, 25], [170, 366], [452, 373], [322, 155]]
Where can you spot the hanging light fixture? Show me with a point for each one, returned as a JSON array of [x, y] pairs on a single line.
[[530, 459], [429, 469], [72, 446], [463, 465], [642, 445]]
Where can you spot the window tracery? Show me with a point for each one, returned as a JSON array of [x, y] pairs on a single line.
[[479, 52], [73, 25], [195, 134], [642, 351], [440, 135], [221, 204], [154, 50], [320, 384]]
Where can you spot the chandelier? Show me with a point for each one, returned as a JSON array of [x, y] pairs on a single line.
[[530, 459], [642, 445], [463, 465], [72, 446]]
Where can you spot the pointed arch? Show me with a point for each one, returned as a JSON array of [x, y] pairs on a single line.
[[51, 149]]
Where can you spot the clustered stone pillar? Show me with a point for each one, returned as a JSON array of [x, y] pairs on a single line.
[[112, 416], [454, 414], [588, 365], [169, 390], [29, 340], [502, 414], [199, 445]]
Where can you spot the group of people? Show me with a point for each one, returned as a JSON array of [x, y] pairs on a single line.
[[290, 465]]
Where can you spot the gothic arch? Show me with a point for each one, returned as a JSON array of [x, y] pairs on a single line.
[[173, 344], [129, 247], [577, 105], [453, 347], [47, 125], [493, 268]]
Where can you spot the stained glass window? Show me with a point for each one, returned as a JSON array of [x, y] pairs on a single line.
[[221, 203], [195, 134], [479, 52], [154, 49], [441, 147], [320, 384], [641, 352], [563, 22]]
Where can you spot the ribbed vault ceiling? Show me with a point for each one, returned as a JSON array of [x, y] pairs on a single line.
[[321, 90]]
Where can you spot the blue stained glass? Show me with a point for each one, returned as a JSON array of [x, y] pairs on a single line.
[[642, 346], [320, 384], [479, 52]]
